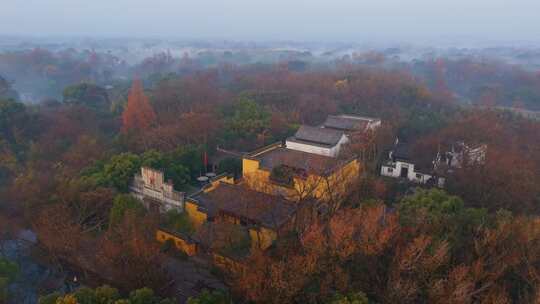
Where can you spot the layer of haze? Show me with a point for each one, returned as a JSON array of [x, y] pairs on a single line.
[[307, 20]]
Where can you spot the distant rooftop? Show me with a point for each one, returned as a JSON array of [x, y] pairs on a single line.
[[321, 136], [264, 209], [348, 122]]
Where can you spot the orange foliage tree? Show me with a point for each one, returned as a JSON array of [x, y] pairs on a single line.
[[374, 250], [138, 114]]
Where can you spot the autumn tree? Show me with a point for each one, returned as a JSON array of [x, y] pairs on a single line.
[[502, 266], [89, 205], [83, 153], [57, 232], [507, 180], [138, 114], [507, 177], [196, 93], [129, 255], [199, 128], [314, 266]]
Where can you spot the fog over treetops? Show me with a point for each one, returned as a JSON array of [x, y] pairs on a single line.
[[480, 21], [48, 45]]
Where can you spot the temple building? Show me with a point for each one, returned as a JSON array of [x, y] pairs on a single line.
[[280, 190], [156, 194], [262, 216], [296, 175], [283, 187]]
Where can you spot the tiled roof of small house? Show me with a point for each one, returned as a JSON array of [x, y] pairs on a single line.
[[328, 137], [402, 151], [258, 207]]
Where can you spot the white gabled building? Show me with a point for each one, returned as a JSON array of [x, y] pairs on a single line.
[[329, 138], [150, 187], [400, 165], [317, 140]]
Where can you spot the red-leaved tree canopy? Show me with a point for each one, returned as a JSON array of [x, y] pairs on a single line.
[[138, 114]]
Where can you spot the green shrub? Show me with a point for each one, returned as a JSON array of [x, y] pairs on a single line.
[[179, 222], [8, 273], [352, 298], [49, 299], [124, 203], [213, 297]]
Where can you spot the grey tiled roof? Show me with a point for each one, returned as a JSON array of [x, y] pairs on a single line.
[[265, 209], [402, 151], [346, 123], [318, 135]]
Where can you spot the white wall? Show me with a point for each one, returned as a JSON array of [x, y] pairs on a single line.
[[310, 148], [150, 184], [314, 149], [390, 171], [395, 172]]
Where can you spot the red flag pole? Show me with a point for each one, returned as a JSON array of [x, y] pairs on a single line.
[[205, 161]]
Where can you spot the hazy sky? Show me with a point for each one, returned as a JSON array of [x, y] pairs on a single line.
[[332, 20]]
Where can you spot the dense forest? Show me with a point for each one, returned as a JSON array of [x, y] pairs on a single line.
[[41, 74], [66, 164]]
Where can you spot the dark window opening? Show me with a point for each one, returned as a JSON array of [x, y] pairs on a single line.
[[404, 172]]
